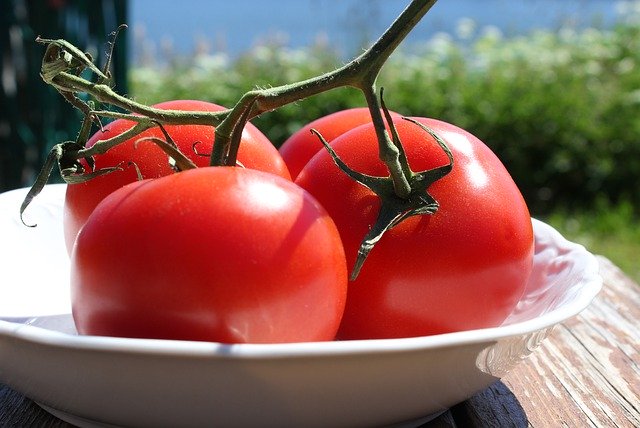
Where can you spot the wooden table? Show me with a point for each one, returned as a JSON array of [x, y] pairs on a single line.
[[586, 373]]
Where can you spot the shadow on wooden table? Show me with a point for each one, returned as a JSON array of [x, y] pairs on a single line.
[[495, 406]]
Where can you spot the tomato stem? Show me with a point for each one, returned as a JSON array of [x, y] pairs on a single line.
[[63, 63], [62, 58], [361, 73], [389, 153]]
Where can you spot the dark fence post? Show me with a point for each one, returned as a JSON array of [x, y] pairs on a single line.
[[33, 116]]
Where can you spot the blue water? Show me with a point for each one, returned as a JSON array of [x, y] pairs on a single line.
[[349, 25]]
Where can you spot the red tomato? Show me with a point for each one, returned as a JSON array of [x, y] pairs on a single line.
[[256, 152], [300, 147], [464, 267], [219, 254]]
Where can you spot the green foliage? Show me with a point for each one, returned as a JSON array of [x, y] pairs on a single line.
[[561, 109], [611, 230]]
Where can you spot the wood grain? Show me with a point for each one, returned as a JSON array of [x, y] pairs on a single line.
[[585, 374]]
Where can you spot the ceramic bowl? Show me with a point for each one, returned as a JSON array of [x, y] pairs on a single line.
[[105, 381]]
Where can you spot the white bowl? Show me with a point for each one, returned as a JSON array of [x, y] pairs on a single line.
[[104, 381]]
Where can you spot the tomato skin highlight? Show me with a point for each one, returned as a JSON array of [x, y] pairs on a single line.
[[256, 152], [221, 254], [465, 267], [302, 145]]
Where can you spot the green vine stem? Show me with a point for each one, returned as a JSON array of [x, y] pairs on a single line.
[[403, 192], [360, 73], [62, 58]]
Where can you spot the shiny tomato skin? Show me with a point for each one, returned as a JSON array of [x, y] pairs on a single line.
[[465, 267], [218, 254], [300, 147], [256, 152]]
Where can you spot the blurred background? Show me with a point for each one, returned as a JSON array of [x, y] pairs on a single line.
[[552, 86]]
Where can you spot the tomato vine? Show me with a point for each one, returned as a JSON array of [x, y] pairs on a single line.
[[64, 63]]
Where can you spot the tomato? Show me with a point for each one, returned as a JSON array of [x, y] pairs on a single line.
[[255, 152], [221, 254], [463, 267], [300, 147]]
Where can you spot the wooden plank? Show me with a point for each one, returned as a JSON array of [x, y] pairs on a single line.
[[586, 373]]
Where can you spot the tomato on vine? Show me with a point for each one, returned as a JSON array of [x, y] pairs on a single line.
[[144, 157], [221, 254], [438, 236], [463, 267]]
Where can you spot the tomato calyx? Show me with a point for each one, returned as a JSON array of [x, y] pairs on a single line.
[[394, 209], [65, 155]]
